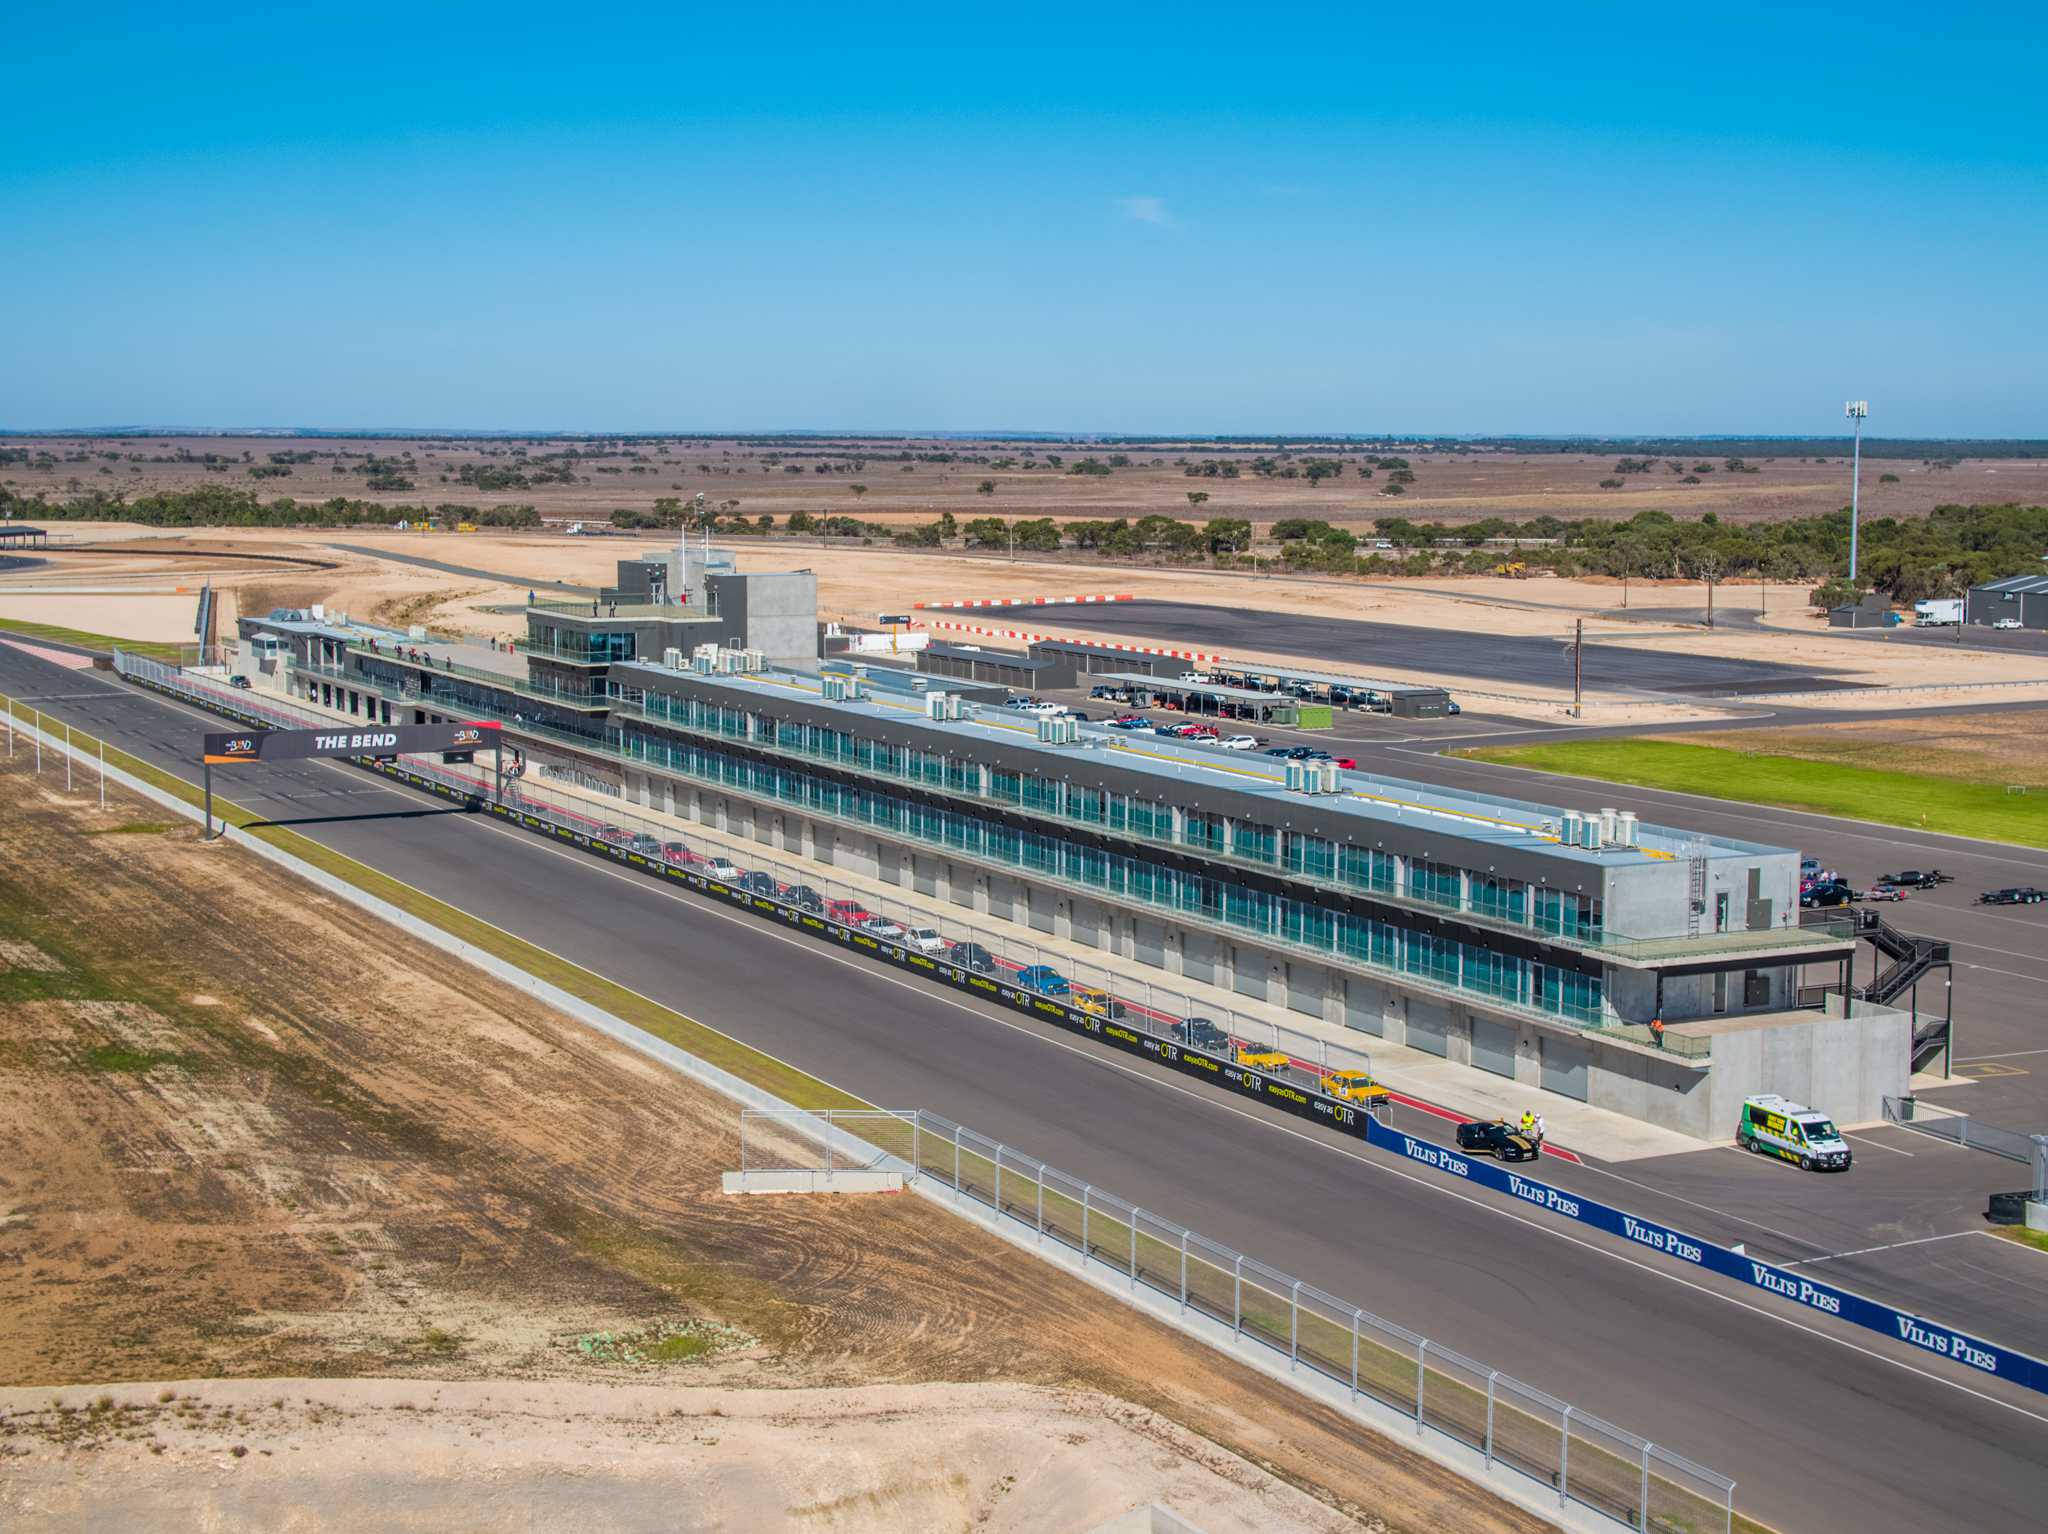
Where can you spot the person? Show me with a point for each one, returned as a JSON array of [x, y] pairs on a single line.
[[1657, 1030], [1528, 1122], [1539, 1129]]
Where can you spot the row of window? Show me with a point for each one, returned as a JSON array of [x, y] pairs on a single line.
[[1312, 857], [1364, 940]]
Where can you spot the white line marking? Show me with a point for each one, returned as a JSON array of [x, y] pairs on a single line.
[[1860, 1140], [1209, 1100], [2010, 1054], [1865, 1251]]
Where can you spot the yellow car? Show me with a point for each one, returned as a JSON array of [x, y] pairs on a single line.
[[1093, 998], [1264, 1060], [1352, 1087]]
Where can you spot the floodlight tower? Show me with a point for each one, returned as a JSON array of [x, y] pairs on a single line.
[[1855, 410]]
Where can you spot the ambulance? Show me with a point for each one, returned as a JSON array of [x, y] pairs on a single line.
[[1771, 1126]]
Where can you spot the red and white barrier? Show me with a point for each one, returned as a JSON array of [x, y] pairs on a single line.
[[1101, 644], [1120, 596]]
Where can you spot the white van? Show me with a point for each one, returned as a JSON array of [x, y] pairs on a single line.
[[1771, 1126]]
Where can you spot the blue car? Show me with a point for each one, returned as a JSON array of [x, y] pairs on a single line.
[[1044, 979]]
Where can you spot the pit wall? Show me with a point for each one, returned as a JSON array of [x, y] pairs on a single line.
[[1670, 1091]]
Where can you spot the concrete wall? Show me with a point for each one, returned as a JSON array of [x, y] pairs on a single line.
[[774, 613], [1843, 1066]]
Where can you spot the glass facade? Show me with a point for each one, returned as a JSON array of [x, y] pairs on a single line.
[[1294, 920]]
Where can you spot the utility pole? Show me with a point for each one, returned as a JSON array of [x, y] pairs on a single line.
[[1710, 599], [1855, 410], [1578, 667]]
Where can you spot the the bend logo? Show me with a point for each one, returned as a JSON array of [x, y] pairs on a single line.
[[1799, 1289], [1434, 1155], [1669, 1242], [468, 735], [1544, 1194], [362, 742], [241, 745], [1948, 1344]]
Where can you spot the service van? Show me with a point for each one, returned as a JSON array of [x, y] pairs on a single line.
[[1771, 1126]]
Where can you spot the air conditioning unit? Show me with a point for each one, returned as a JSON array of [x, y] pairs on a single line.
[[942, 705], [1625, 830], [1058, 730], [1297, 777], [755, 660], [672, 658], [1326, 777], [833, 689], [1570, 835]]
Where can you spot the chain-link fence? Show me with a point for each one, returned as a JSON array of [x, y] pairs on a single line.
[[1630, 1480]]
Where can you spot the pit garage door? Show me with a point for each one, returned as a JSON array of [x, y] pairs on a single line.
[[1564, 1068], [1198, 957], [1493, 1047], [1149, 940], [1305, 985], [1428, 1025], [1084, 923], [1362, 1006]]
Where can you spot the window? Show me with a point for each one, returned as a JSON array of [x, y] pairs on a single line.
[[1257, 843], [1151, 820], [1503, 899], [1042, 794], [1367, 869], [1311, 855], [1005, 787], [1202, 830], [1437, 883], [1085, 804]]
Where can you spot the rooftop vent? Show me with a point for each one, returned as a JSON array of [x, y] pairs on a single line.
[[942, 705], [1058, 730]]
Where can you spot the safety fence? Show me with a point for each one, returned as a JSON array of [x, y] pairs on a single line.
[[1974, 1134], [1223, 1062], [1625, 1477]]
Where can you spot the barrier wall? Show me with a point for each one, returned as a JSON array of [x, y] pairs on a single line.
[[1666, 1241]]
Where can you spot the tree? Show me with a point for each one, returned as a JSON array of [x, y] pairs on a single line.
[[988, 533], [1040, 536], [1197, 497], [858, 490], [986, 487], [1227, 535]]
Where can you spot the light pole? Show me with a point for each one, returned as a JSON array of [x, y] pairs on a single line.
[[1855, 410]]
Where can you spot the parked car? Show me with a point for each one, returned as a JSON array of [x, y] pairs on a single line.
[[2007, 623], [1239, 742], [2020, 894], [1832, 892], [1451, 706], [762, 882], [1093, 998], [616, 835], [239, 681], [1130, 722], [1884, 892], [720, 868], [1044, 979], [1809, 867], [675, 852], [804, 898], [1492, 1138], [925, 940], [849, 913], [1200, 1033], [647, 846], [972, 956], [885, 929], [1279, 750], [1347, 762]]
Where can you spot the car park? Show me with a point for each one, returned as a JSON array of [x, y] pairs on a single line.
[[2019, 894], [1490, 1137], [1200, 1033], [1044, 979], [972, 956]]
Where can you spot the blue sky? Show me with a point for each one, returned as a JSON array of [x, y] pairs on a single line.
[[1187, 218]]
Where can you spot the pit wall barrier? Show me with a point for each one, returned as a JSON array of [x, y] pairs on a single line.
[[1677, 1246]]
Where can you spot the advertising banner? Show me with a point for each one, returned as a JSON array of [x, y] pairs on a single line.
[[347, 740]]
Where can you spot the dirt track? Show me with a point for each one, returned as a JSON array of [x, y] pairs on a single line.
[[244, 1134]]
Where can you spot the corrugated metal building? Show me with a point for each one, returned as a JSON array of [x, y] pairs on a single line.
[[2024, 597]]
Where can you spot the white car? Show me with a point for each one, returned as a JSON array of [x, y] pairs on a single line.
[[889, 931], [2007, 623], [1045, 710], [1239, 742], [1196, 676], [718, 868], [926, 940]]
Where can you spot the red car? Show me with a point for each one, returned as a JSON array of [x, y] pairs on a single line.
[[1346, 763], [849, 913]]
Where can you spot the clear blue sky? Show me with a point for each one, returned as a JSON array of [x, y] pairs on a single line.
[[1118, 218]]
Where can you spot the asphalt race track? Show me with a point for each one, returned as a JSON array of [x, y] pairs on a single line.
[[1824, 1428], [470, 572], [1462, 650]]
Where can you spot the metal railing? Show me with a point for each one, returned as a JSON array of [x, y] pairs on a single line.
[[1623, 1476], [1974, 1134]]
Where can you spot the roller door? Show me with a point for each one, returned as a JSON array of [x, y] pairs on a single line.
[[1149, 939], [1564, 1068], [1493, 1047], [1198, 957], [1363, 1007], [1429, 1025]]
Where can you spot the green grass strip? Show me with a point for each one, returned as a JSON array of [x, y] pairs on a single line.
[[1909, 799], [154, 649]]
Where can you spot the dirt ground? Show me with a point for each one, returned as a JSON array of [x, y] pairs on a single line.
[[255, 570], [1975, 748], [1449, 485], [246, 1137]]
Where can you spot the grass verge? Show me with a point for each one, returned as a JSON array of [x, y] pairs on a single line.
[[58, 634], [2019, 1235], [1924, 803]]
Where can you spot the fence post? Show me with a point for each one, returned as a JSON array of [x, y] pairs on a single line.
[[103, 774], [1491, 1376], [1041, 1203], [1643, 1512], [916, 1133], [1421, 1370], [1086, 1189], [1564, 1458], [1237, 1301], [999, 1177], [1294, 1325], [956, 1161], [1357, 1316], [828, 1146], [1183, 1271], [1134, 1248], [67, 756]]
